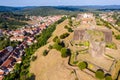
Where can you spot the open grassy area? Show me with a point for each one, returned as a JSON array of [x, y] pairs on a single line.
[[54, 67]]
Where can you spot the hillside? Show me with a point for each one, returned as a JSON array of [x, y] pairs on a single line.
[[9, 20], [45, 11], [57, 10]]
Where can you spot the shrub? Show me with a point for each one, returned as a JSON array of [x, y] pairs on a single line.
[[70, 22], [82, 65], [117, 37], [66, 27], [70, 30], [63, 36], [75, 62], [45, 52], [64, 52], [111, 45], [50, 47], [57, 46], [99, 74], [76, 78], [55, 38], [85, 43], [62, 44], [58, 41], [108, 78], [34, 58]]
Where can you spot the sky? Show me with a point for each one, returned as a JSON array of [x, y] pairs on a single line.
[[57, 2]]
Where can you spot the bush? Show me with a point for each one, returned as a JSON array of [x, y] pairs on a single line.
[[66, 27], [55, 38], [108, 78], [70, 22], [99, 74], [111, 45], [82, 65], [57, 46], [85, 43], [45, 52], [34, 58], [58, 41], [117, 37], [75, 62], [64, 52], [70, 30], [63, 36], [50, 47]]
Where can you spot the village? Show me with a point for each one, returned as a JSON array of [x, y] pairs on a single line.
[[91, 40], [26, 36]]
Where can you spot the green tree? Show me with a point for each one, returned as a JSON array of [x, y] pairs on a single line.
[[99, 74], [82, 65], [64, 52], [34, 58], [50, 47], [108, 78], [70, 30], [57, 46], [55, 38], [63, 36], [66, 27], [70, 22], [45, 52]]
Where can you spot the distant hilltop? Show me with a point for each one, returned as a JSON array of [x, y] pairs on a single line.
[[70, 8], [57, 10]]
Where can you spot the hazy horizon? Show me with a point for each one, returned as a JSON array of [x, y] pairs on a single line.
[[21, 3]]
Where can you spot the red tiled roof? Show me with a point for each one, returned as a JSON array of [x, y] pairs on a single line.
[[1, 72], [1, 77], [7, 62]]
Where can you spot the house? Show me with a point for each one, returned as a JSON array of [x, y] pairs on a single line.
[[1, 74], [9, 63], [17, 38], [5, 53], [1, 77]]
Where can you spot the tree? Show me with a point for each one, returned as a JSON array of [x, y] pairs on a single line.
[[63, 36], [57, 46], [55, 38], [117, 37], [99, 74], [45, 52], [34, 58], [70, 30], [70, 22], [82, 65], [64, 52], [108, 78], [50, 47], [66, 27]]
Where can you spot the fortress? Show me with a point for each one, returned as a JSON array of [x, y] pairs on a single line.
[[96, 35]]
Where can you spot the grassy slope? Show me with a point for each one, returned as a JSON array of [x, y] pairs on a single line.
[[53, 66]]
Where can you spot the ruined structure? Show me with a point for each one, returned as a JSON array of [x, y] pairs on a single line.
[[96, 37], [79, 34]]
